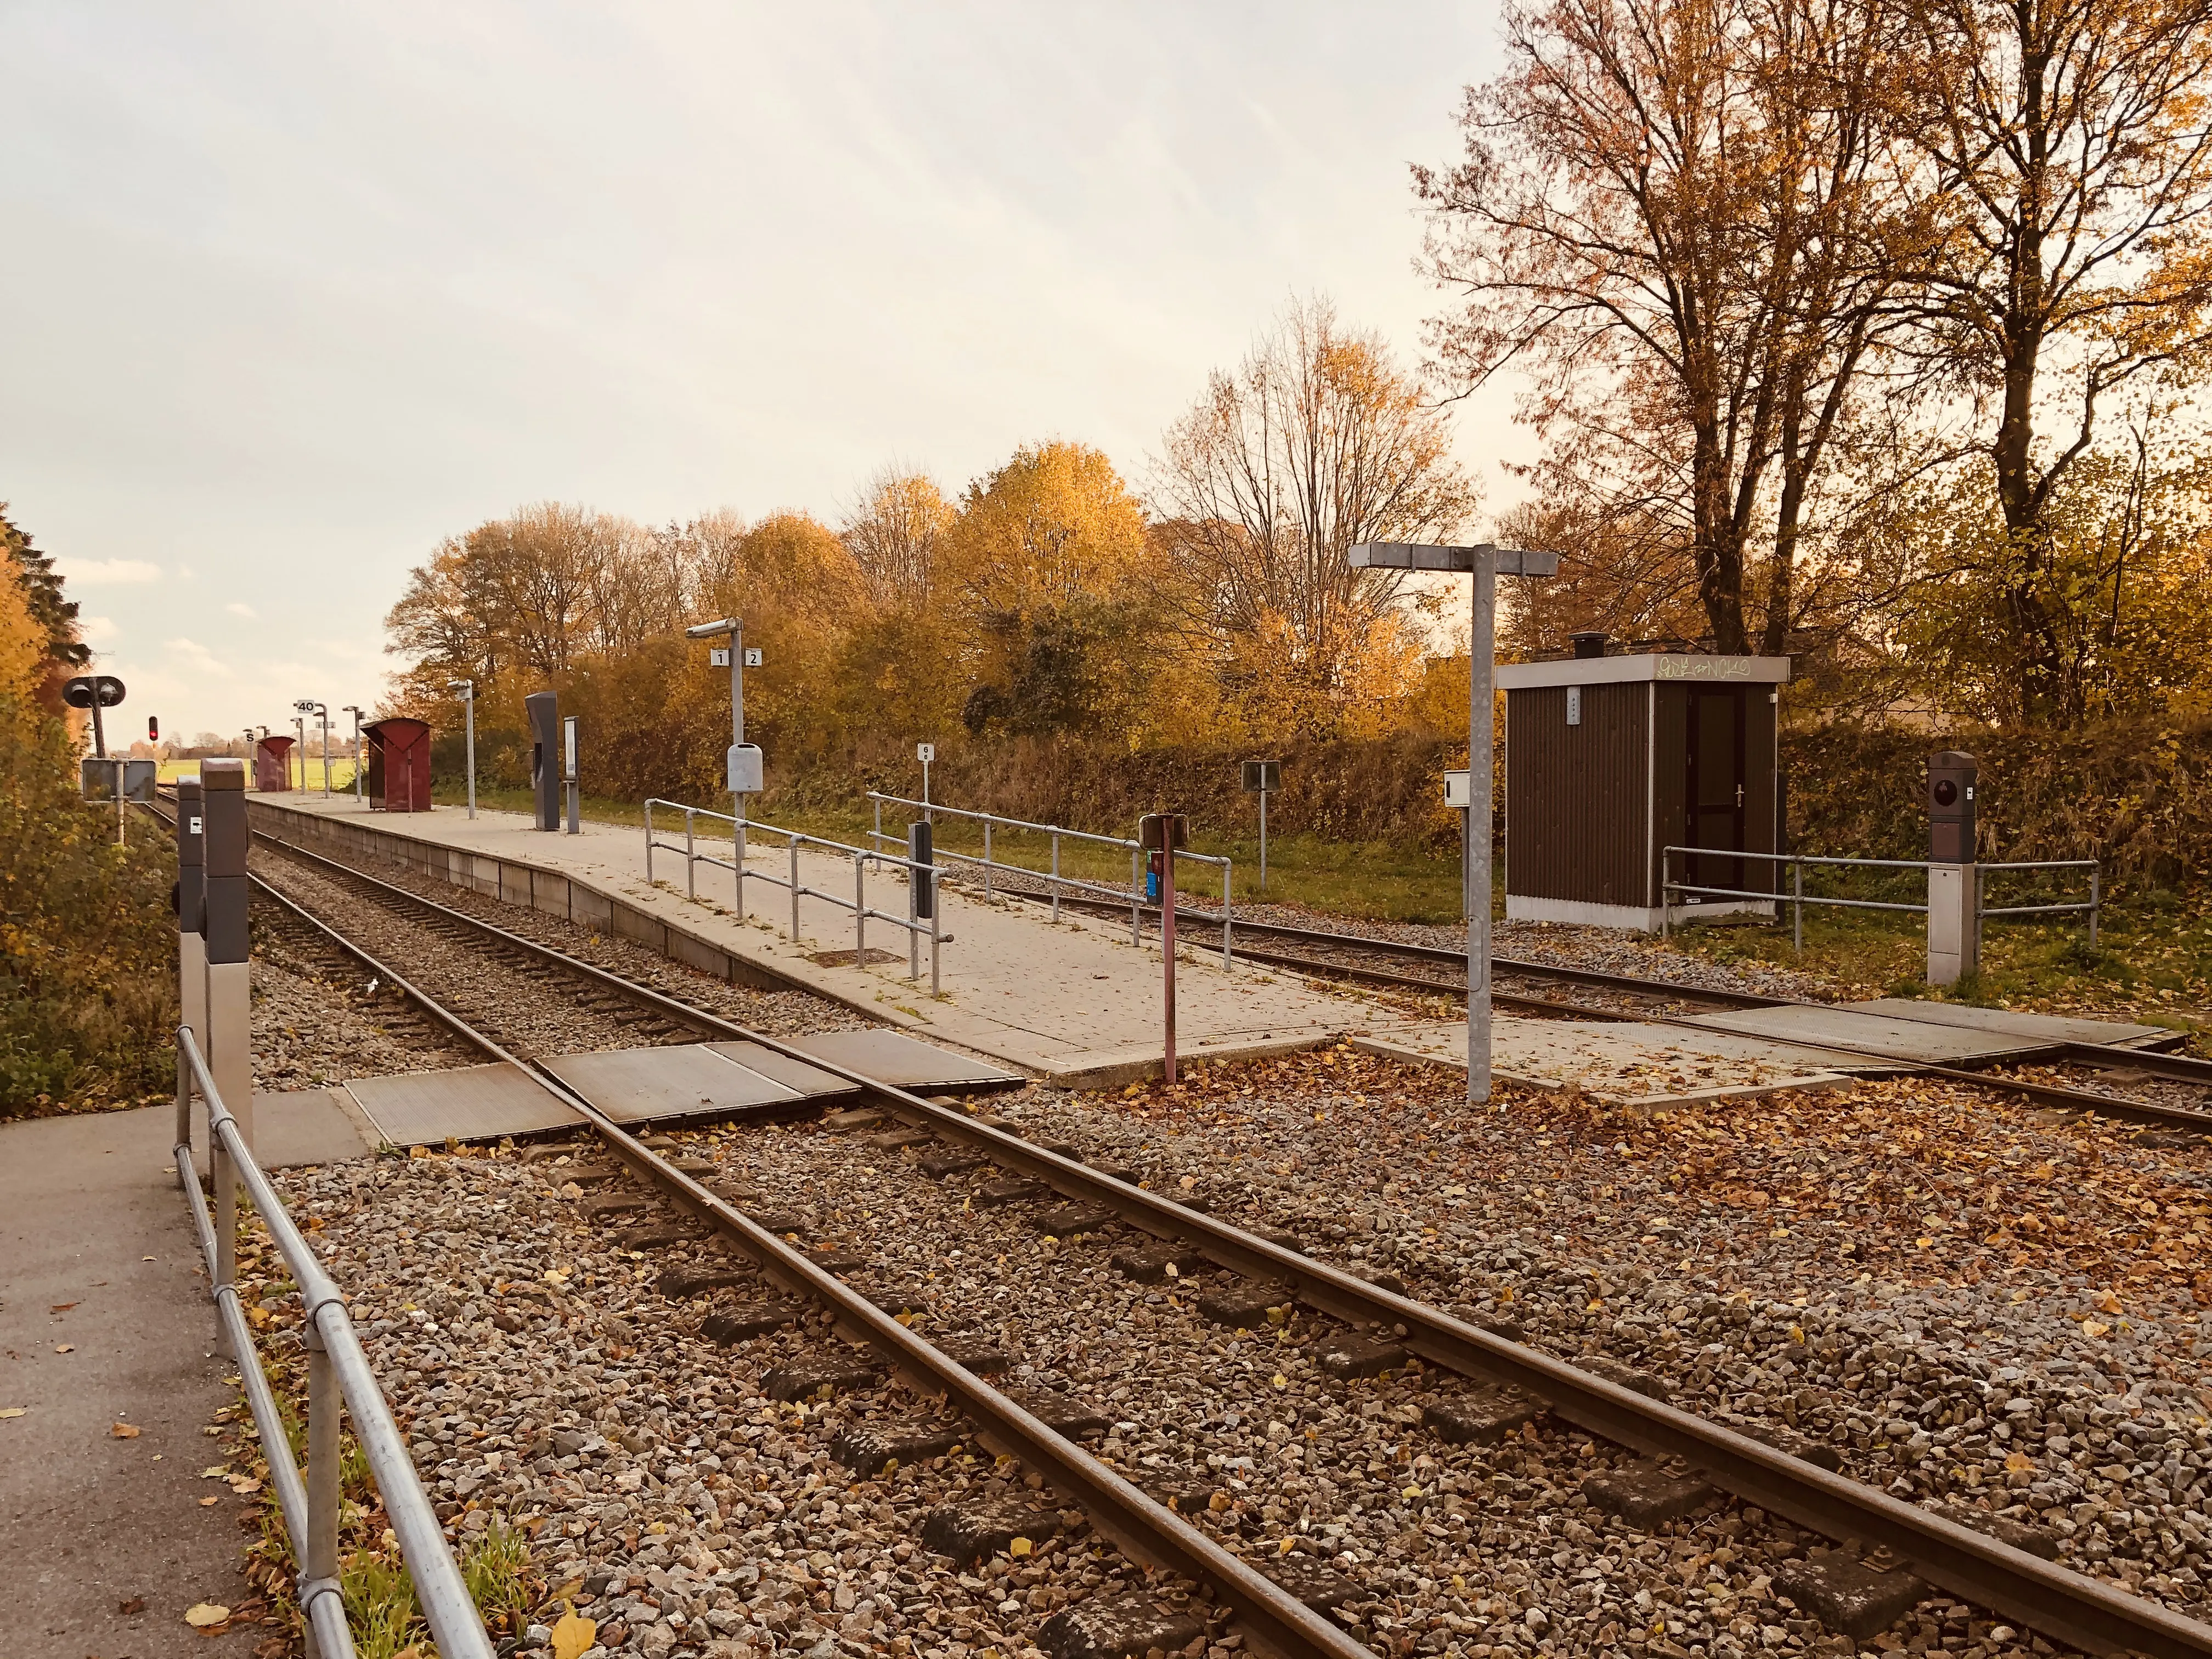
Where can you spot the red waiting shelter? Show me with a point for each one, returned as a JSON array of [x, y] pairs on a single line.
[[272, 765], [398, 765]]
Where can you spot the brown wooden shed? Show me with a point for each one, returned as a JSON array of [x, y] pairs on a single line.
[[1609, 759]]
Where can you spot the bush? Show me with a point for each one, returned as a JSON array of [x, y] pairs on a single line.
[[88, 936]]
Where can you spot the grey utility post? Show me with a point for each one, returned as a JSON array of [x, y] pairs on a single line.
[[299, 749], [568, 775], [229, 983], [360, 790], [192, 908], [1485, 563], [925, 752], [1263, 778], [745, 771], [468, 691], [1955, 923]]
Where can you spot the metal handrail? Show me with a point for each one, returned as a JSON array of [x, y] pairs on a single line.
[[921, 875], [338, 1369], [1055, 881], [1797, 898]]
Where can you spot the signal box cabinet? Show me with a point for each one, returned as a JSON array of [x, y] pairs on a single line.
[[272, 765], [1608, 760]]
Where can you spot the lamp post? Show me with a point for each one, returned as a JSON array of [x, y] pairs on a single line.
[[1485, 563], [308, 706], [300, 748], [468, 691], [359, 795], [745, 759]]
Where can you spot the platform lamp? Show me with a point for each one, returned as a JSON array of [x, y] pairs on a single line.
[[354, 709], [299, 748], [744, 760], [1485, 563], [468, 691]]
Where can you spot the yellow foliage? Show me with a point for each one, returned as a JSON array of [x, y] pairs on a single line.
[[22, 640], [1053, 525]]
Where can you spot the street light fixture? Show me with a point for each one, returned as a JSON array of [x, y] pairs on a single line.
[[745, 759], [468, 691], [1485, 563], [355, 710]]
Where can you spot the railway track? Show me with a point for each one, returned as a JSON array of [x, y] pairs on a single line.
[[2062, 1604], [1430, 971]]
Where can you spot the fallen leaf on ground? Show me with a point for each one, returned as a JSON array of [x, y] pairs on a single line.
[[207, 1615], [124, 1430], [210, 1503], [64, 1347], [2094, 1327], [136, 1604], [14, 1411], [573, 1635], [61, 1307], [215, 1471]]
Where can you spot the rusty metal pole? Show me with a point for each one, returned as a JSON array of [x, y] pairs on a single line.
[[1167, 939]]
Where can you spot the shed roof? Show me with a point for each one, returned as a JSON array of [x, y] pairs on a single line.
[[1665, 665]]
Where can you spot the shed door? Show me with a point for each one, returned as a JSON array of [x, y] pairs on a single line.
[[1717, 781]]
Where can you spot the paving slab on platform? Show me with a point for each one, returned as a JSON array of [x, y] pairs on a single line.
[[904, 1063], [297, 1128], [653, 1086], [1622, 1062], [466, 1102], [2027, 1028], [1866, 1038], [809, 1081]]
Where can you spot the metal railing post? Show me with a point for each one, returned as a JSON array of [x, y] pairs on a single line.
[[691, 853], [1137, 896], [859, 910], [986, 858], [877, 840], [1055, 876], [1797, 905], [2094, 872], [794, 889], [738, 859], [1228, 963], [1666, 885], [913, 923], [319, 1550], [648, 843]]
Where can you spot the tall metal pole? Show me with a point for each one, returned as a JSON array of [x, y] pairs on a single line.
[[1166, 944], [1263, 840], [1480, 709], [299, 748], [323, 713]]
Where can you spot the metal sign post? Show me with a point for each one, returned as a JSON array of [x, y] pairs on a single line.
[[925, 752], [568, 775], [747, 771], [1485, 563], [1163, 833], [1263, 778]]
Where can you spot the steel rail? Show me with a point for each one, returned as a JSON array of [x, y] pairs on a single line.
[[1270, 1618], [2051, 1600]]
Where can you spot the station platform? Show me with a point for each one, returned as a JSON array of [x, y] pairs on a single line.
[[1072, 1003], [106, 1326]]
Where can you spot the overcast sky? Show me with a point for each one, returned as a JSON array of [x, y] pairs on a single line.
[[291, 292]]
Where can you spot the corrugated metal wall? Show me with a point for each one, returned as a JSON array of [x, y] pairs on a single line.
[[1575, 797]]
